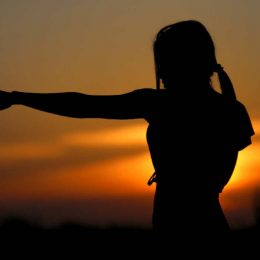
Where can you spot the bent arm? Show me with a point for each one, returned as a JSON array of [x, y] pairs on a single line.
[[125, 106]]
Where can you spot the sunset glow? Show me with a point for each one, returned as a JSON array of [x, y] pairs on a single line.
[[108, 178]]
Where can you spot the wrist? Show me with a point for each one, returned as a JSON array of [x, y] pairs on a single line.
[[14, 97]]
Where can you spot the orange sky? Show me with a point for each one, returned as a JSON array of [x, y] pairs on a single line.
[[54, 169]]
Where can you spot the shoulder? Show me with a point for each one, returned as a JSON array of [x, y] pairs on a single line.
[[229, 105], [145, 91], [238, 119]]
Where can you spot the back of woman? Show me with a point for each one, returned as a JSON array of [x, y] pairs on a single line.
[[194, 133], [194, 141]]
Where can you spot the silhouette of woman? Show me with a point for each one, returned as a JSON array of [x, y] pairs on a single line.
[[194, 133]]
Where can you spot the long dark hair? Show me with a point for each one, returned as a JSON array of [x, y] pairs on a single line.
[[189, 44]]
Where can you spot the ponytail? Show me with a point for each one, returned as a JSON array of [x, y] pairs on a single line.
[[226, 85]]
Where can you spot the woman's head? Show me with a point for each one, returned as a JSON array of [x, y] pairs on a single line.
[[184, 52]]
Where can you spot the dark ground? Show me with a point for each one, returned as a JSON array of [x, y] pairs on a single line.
[[24, 238]]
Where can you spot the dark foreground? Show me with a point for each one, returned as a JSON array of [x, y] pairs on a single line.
[[18, 236]]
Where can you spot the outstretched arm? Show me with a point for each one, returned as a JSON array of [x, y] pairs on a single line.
[[125, 106]]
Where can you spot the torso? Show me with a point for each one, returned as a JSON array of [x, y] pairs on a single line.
[[189, 149]]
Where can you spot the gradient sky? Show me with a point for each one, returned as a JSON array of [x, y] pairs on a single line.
[[55, 169]]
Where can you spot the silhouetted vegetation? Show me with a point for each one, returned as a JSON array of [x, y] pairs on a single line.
[[19, 233]]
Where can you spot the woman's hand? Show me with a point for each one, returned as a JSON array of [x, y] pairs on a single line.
[[5, 100]]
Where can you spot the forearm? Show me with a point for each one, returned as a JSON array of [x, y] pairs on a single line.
[[135, 104], [69, 104]]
